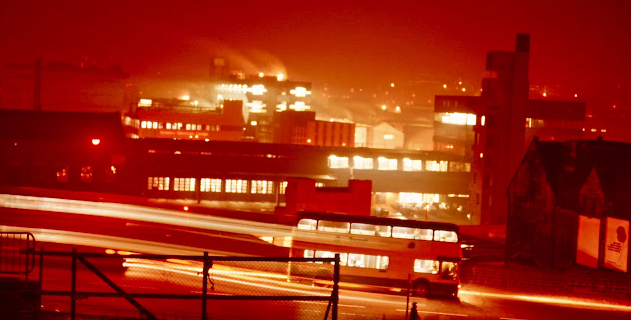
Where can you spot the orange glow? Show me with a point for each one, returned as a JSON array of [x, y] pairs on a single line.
[[185, 208], [96, 141]]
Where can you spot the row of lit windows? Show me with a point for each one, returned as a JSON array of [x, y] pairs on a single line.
[[353, 259], [214, 185], [178, 126], [361, 163], [378, 230], [86, 174]]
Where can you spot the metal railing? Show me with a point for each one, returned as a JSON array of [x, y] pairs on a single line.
[[17, 251], [222, 279]]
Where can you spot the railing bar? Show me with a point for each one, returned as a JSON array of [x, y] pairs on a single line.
[[183, 296]]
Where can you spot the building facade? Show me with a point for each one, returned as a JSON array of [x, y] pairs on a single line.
[[569, 205]]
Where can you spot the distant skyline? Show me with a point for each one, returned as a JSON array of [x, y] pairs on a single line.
[[583, 46]]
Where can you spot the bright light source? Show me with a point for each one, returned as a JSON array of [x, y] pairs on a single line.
[[280, 77], [392, 85], [185, 97], [383, 107], [96, 141], [575, 95], [481, 155], [300, 92], [144, 103], [253, 123], [258, 89], [185, 208], [308, 140], [444, 86], [463, 89], [261, 74], [398, 109], [545, 94], [388, 137], [459, 82]]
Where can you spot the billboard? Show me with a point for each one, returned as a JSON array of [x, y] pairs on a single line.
[[616, 244], [588, 241]]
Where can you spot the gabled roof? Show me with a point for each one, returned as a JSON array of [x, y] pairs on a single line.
[[58, 125], [568, 166]]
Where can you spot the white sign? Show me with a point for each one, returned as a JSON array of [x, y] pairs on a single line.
[[588, 241], [617, 244]]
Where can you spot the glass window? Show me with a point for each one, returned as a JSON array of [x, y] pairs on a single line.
[[412, 165], [445, 236], [283, 187], [432, 165], [159, 183], [403, 232], [449, 270], [184, 184], [336, 162], [62, 174], [367, 261], [329, 254], [210, 185], [86, 174], [363, 228], [334, 226], [363, 163], [307, 224], [426, 266], [236, 186], [387, 164], [262, 187]]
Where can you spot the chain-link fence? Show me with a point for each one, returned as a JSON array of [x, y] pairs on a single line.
[[85, 285]]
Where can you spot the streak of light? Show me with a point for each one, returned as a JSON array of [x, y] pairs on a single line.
[[439, 313], [139, 213], [102, 241], [549, 300]]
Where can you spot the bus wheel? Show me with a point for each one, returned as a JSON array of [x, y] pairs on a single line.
[[323, 279], [420, 288]]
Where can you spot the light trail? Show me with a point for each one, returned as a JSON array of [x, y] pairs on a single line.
[[549, 300], [145, 214]]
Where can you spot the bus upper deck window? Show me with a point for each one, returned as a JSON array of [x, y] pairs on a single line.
[[403, 232], [307, 224], [445, 236], [424, 234], [334, 226], [370, 229]]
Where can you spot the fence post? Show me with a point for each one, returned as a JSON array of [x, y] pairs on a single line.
[[73, 284], [41, 276], [205, 286], [336, 285], [407, 301]]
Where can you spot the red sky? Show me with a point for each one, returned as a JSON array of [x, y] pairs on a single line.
[[584, 45]]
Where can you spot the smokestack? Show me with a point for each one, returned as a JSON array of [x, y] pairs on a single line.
[[37, 86], [523, 43]]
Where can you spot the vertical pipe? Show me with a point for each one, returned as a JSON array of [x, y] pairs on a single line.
[[41, 276], [73, 284], [205, 286], [336, 286]]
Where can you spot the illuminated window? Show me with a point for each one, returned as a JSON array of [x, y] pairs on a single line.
[[334, 226], [86, 174], [188, 126], [262, 187], [363, 163], [300, 92], [336, 162], [210, 185], [353, 259], [143, 124], [307, 224], [426, 266], [412, 165], [168, 126], [370, 229], [457, 118], [184, 184], [412, 233], [459, 166], [159, 183], [387, 164], [431, 165], [282, 187], [62, 174], [445, 236], [236, 186], [449, 270]]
